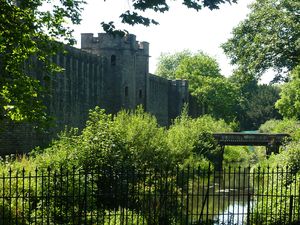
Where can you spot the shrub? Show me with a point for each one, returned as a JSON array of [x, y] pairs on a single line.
[[131, 140], [237, 154], [289, 160], [143, 139], [289, 126], [188, 137]]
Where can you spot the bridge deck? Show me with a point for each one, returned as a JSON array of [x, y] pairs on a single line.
[[259, 139]]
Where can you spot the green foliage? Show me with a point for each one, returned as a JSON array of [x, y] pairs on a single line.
[[109, 144], [143, 139], [189, 137], [186, 65], [134, 16], [27, 37], [217, 97], [258, 106], [287, 163], [289, 155], [255, 103], [267, 38], [289, 102], [290, 152], [213, 93], [100, 146], [168, 63], [121, 217], [236, 154], [289, 126], [130, 140], [197, 65]]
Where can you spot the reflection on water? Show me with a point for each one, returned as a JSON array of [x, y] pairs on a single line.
[[221, 200], [222, 209], [236, 214]]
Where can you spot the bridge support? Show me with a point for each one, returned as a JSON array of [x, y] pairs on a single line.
[[272, 148], [219, 166]]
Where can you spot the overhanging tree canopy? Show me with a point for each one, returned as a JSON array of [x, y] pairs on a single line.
[[27, 34], [135, 16]]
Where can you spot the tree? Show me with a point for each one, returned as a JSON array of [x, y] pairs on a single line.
[[218, 97], [289, 102], [256, 103], [267, 39], [27, 41], [168, 63], [210, 91], [260, 106], [186, 65]]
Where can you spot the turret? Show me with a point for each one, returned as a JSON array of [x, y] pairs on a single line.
[[127, 63]]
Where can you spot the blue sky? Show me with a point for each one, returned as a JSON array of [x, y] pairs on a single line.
[[179, 29]]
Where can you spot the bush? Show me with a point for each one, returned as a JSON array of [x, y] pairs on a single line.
[[143, 139], [289, 126], [188, 137], [237, 154], [289, 160], [131, 140]]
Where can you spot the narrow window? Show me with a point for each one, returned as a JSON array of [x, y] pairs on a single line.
[[113, 60], [126, 91], [140, 93]]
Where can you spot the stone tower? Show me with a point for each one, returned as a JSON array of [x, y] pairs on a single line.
[[127, 67]]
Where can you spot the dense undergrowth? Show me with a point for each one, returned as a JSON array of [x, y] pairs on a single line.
[[131, 140], [284, 168], [134, 140]]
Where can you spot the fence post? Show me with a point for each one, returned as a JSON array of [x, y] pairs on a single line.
[[291, 209], [205, 199], [249, 198], [187, 196]]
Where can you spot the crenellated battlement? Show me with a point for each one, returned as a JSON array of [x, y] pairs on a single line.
[[104, 41], [179, 83]]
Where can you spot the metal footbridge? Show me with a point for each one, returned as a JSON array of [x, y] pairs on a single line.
[[271, 141]]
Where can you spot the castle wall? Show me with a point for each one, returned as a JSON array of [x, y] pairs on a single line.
[[178, 95], [157, 98], [17, 138], [142, 70], [80, 87], [110, 72]]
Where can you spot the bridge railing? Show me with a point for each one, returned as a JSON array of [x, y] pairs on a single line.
[[244, 139]]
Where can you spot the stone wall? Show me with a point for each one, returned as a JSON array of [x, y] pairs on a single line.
[[166, 98], [157, 98], [80, 87], [178, 96]]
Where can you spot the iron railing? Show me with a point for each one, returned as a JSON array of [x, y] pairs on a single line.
[[178, 196]]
